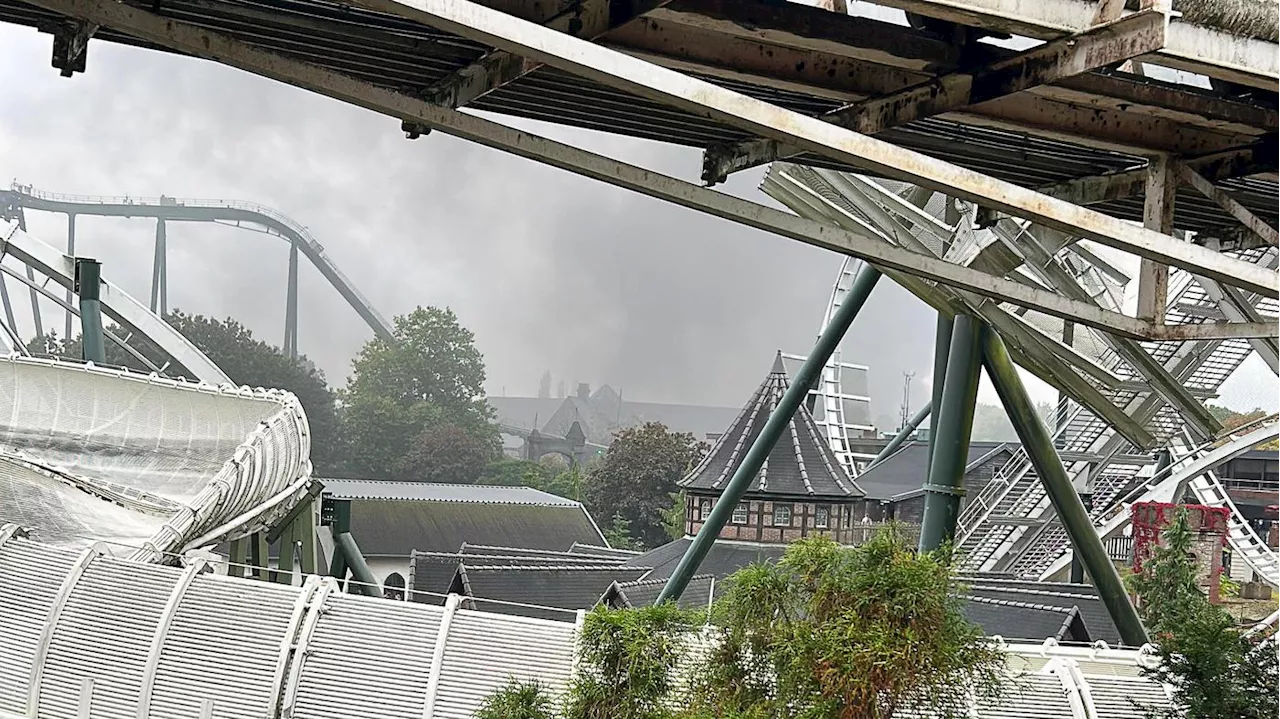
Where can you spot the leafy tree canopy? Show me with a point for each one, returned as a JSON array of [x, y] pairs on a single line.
[[427, 381], [638, 475], [1216, 672]]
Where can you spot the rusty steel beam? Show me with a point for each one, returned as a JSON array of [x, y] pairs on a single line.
[[629, 74], [1217, 54], [1228, 203], [591, 20], [1253, 159], [1106, 44], [1215, 331], [1157, 215]]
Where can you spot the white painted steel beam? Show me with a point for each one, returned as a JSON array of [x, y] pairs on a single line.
[[1236, 308], [1211, 52], [1228, 203], [1099, 46], [118, 306], [615, 69]]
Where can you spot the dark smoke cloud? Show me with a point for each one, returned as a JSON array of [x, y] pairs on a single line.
[[550, 270]]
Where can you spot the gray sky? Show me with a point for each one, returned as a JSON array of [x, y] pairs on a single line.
[[551, 271]]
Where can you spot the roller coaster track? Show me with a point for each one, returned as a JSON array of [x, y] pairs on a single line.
[[234, 212]]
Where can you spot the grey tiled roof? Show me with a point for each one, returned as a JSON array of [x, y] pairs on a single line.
[[433, 492], [644, 592], [905, 470], [1025, 620], [430, 573], [724, 558], [801, 463], [598, 551], [397, 527], [538, 590], [471, 548], [1058, 594]]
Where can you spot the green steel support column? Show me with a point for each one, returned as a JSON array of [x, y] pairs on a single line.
[[859, 290], [362, 579], [950, 437], [88, 276], [239, 553], [1039, 445], [259, 556], [902, 435], [338, 565], [71, 252], [284, 575], [305, 533], [941, 348]]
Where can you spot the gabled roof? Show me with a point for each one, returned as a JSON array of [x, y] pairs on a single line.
[[598, 551], [724, 558], [801, 463], [644, 592], [397, 527], [433, 492], [430, 573], [1057, 594], [904, 471], [1025, 620], [546, 592], [486, 549]]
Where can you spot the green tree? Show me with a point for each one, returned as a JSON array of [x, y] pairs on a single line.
[[638, 475], [1215, 671], [508, 472], [445, 453], [834, 632], [518, 700], [618, 533], [428, 376]]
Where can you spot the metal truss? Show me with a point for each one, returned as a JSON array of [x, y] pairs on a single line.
[[126, 311], [616, 70], [239, 214]]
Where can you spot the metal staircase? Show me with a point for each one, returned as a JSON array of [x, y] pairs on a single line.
[[1010, 526]]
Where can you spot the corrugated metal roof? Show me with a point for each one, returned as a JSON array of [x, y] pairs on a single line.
[[396, 528], [431, 492]]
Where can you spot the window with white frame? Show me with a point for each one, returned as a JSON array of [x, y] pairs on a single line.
[[705, 510], [782, 515], [740, 514], [820, 520]]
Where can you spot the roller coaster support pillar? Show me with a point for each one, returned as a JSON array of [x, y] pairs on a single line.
[[71, 252], [88, 286], [1070, 509], [160, 273], [902, 436], [755, 457], [941, 347], [291, 305], [952, 425]]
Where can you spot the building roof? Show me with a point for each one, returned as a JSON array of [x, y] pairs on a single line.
[[392, 527], [431, 573], [434, 492], [598, 551], [360, 640], [644, 592], [905, 470], [724, 558], [1025, 620], [604, 412], [1058, 594], [801, 463], [546, 592]]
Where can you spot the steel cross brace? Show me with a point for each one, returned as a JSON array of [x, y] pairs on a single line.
[[1032, 349]]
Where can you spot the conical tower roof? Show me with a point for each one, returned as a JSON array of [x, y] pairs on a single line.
[[800, 465]]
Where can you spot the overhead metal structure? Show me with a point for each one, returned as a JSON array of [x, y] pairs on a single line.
[[169, 209], [1049, 146]]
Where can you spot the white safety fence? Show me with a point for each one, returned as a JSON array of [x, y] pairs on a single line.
[[86, 634], [92, 454]]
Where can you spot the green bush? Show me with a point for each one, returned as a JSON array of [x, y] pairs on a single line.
[[518, 700]]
